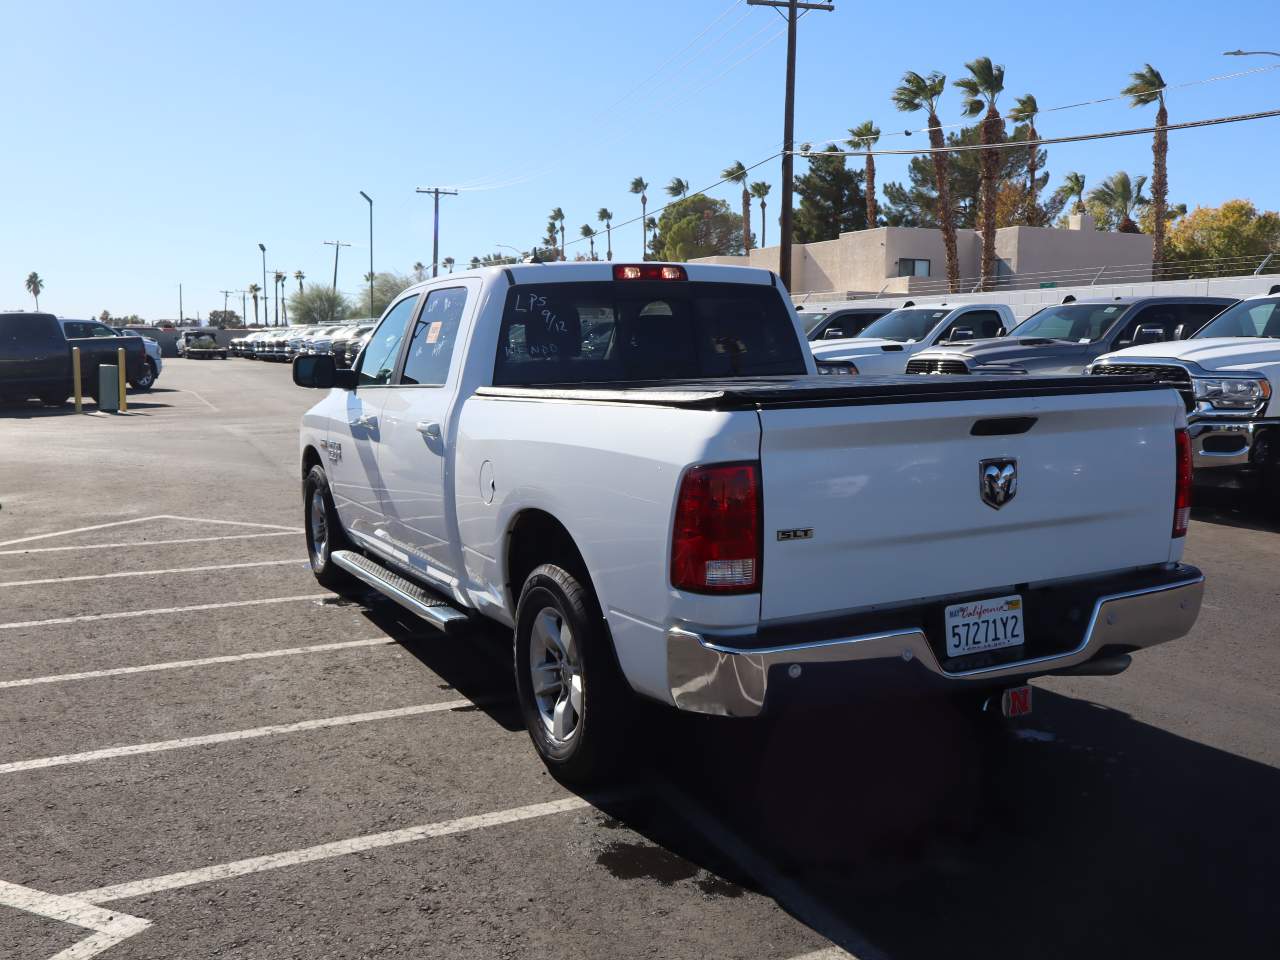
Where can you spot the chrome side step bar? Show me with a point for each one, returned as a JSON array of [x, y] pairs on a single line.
[[424, 603]]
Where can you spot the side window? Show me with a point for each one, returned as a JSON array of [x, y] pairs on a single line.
[[101, 330], [434, 337], [983, 323], [75, 331], [378, 361], [1196, 315], [1165, 314]]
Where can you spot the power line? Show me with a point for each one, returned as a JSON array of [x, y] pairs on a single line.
[[1043, 141]]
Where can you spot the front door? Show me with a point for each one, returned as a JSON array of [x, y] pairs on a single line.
[[355, 438], [416, 426]]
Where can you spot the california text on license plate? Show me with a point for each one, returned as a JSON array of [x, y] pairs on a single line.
[[984, 625]]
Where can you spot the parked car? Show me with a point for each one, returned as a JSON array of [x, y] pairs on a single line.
[[296, 340], [886, 345], [204, 340], [155, 362], [1067, 337], [36, 359], [1229, 376], [839, 323], [346, 347], [686, 513]]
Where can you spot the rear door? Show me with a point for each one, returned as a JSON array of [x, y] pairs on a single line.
[[893, 495]]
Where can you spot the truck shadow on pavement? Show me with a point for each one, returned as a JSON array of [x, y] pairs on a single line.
[[1233, 508], [33, 410], [1088, 835]]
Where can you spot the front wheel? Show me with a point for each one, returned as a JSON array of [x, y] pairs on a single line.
[[324, 533], [576, 705], [145, 380]]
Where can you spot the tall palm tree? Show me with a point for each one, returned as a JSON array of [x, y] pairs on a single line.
[[590, 236], [605, 216], [864, 137], [299, 276], [1122, 197], [1025, 111], [557, 218], [760, 190], [34, 286], [913, 94], [448, 263], [738, 174], [638, 186], [254, 290], [1073, 186], [651, 225], [1146, 88], [420, 270], [980, 89], [280, 307], [677, 188]]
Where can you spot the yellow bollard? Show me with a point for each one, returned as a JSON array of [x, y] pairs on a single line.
[[75, 375], [124, 402]]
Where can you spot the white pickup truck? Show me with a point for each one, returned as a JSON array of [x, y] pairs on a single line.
[[1229, 375], [636, 469], [885, 346]]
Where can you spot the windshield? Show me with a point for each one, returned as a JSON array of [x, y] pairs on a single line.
[[628, 331], [1077, 322], [811, 320], [1248, 318], [905, 326]]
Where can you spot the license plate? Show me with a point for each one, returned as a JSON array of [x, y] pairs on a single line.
[[983, 625]]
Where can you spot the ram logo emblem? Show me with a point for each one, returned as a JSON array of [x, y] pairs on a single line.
[[998, 481]]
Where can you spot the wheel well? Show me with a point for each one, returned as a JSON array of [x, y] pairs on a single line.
[[310, 458], [536, 538]]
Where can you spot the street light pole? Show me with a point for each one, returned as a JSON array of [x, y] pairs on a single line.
[[435, 233], [263, 248], [337, 247], [370, 199]]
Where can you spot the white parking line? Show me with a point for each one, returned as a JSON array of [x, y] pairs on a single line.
[[153, 573], [158, 516], [125, 614], [146, 543], [201, 662], [109, 926], [326, 851], [159, 746]]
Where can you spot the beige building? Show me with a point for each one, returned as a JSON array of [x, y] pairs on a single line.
[[896, 260]]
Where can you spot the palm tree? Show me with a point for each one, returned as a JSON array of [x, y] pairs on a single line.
[[278, 286], [677, 188], [651, 225], [299, 276], [1073, 186], [474, 265], [638, 186], [980, 89], [1122, 197], [1146, 88], [760, 190], [254, 290], [557, 221], [34, 286], [449, 262], [590, 236], [865, 136], [917, 93], [606, 217], [738, 174], [1025, 111], [420, 270]]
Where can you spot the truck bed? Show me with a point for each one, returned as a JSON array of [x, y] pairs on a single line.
[[764, 393]]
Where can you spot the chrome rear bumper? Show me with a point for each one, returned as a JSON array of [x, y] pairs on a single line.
[[709, 676]]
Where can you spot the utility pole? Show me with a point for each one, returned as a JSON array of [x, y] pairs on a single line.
[[337, 248], [263, 248], [435, 233], [788, 124], [179, 304], [244, 307], [225, 294]]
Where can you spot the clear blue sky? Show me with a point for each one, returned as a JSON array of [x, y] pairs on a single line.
[[155, 143]]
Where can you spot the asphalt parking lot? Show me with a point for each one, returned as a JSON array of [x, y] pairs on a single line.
[[204, 754]]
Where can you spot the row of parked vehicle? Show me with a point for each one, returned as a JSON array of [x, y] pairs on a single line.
[[341, 340], [1221, 354]]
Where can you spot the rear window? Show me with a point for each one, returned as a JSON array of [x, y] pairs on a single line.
[[27, 327], [629, 331]]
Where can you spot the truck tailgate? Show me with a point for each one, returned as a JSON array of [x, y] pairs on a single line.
[[893, 496]]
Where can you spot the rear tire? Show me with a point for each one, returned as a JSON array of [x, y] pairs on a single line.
[[52, 399], [577, 707], [324, 533]]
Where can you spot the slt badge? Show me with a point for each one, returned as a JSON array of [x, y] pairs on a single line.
[[997, 481]]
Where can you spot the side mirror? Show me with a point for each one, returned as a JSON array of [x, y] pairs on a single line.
[[319, 372], [960, 333], [833, 333], [1148, 333]]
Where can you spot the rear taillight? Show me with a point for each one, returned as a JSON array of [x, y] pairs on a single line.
[[648, 271], [715, 547], [1182, 492]]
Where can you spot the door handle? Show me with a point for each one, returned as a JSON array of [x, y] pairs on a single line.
[[368, 423], [429, 429]]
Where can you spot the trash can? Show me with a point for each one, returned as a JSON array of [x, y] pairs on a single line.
[[109, 388]]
